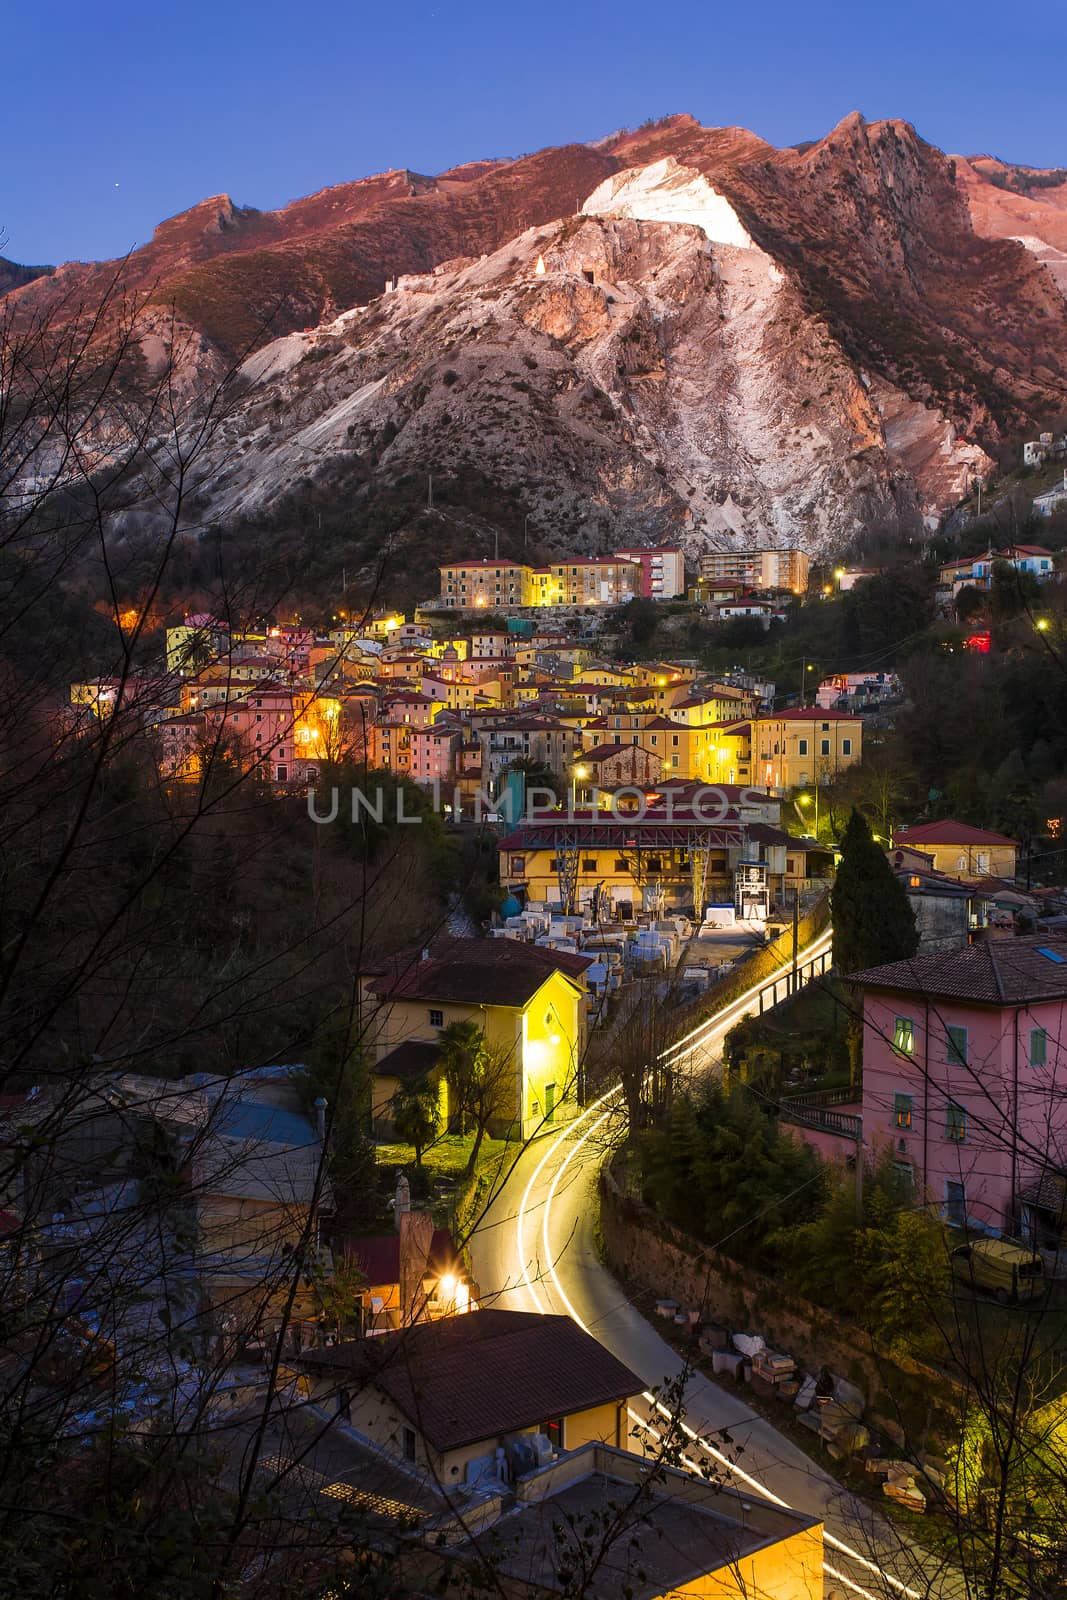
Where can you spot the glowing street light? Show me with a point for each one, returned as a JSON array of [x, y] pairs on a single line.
[[1041, 624]]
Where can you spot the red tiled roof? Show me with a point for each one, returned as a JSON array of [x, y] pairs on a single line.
[[948, 831], [809, 714], [378, 1259], [602, 752], [475, 972], [464, 1379], [999, 972]]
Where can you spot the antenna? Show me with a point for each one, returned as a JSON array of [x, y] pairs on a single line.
[[496, 544]]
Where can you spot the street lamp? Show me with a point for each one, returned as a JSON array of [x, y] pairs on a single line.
[[578, 774], [805, 800], [1041, 624]]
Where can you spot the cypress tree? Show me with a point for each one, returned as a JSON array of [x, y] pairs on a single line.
[[872, 919]]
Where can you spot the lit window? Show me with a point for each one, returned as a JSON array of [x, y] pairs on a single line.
[[955, 1123], [904, 1036], [956, 1046], [437, 1019], [1038, 1047], [902, 1107]]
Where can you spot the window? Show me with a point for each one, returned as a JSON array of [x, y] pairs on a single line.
[[1038, 1047], [904, 1036], [955, 1204], [589, 864], [674, 761], [955, 1123], [282, 774], [553, 864], [621, 864], [437, 1019], [956, 1045], [824, 747], [674, 740], [846, 747], [902, 1107], [409, 1444], [802, 747], [826, 727]]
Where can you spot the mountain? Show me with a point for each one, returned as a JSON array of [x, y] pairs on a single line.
[[12, 276], [727, 341], [1027, 204]]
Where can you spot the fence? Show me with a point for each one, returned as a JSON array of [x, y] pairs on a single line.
[[771, 959]]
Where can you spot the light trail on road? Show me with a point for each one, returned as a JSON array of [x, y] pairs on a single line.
[[720, 1022]]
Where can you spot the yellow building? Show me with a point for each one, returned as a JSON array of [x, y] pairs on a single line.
[[686, 752], [460, 1388], [670, 1535], [486, 584], [529, 1002], [586, 581], [789, 750], [669, 857], [960, 851], [577, 581]]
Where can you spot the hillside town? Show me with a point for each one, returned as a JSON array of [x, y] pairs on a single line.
[[672, 855], [533, 807]]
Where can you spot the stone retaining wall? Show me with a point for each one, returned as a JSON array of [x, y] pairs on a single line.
[[660, 1261]]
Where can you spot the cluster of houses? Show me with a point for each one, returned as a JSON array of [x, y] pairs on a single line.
[[188, 1226], [460, 715], [976, 572], [652, 572]]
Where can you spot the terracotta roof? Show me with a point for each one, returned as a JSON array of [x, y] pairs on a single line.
[[997, 972], [464, 1379], [1048, 1192], [602, 752], [808, 714], [411, 1060], [378, 1259], [949, 831], [499, 972]]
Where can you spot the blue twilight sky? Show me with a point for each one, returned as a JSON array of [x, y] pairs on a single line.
[[115, 115]]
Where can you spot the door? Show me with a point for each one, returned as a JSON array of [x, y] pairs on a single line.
[[550, 1103]]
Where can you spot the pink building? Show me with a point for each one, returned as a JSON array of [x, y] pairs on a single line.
[[964, 1078], [262, 725], [662, 570], [433, 752]]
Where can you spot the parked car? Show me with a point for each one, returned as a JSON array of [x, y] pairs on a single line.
[[1008, 1271]]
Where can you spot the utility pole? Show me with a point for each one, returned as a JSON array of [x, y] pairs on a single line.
[[496, 544]]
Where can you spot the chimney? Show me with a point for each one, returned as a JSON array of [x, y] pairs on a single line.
[[320, 1120], [402, 1203], [416, 1241]]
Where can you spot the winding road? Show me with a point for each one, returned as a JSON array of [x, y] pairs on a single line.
[[534, 1249]]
